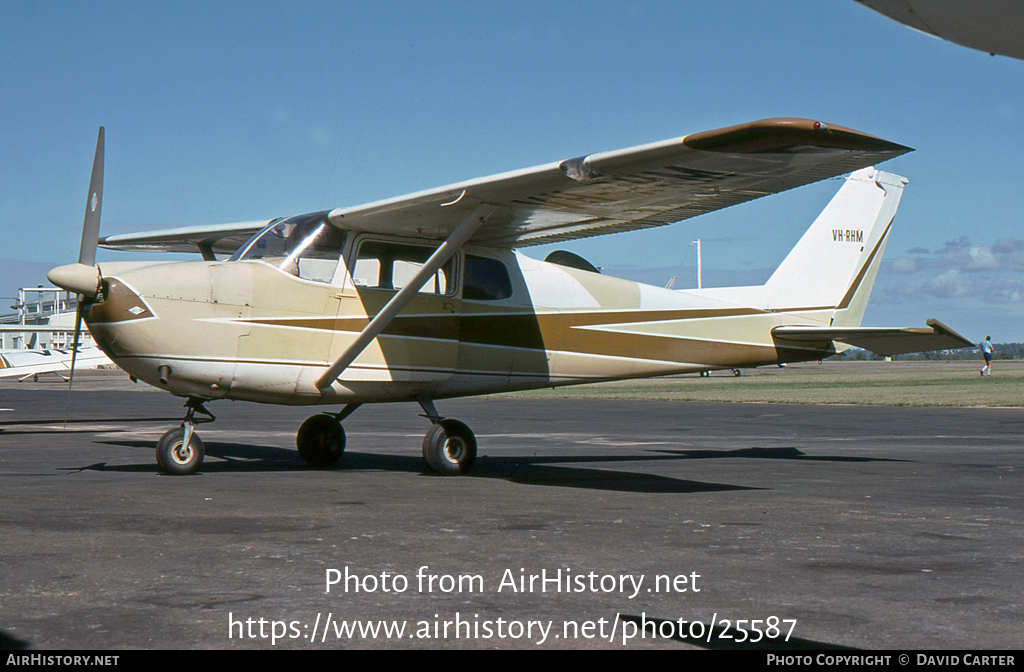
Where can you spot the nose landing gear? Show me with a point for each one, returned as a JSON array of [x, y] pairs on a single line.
[[180, 451]]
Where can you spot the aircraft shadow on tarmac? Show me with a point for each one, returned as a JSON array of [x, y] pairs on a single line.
[[61, 426], [722, 638], [237, 457], [10, 643], [552, 470], [785, 453]]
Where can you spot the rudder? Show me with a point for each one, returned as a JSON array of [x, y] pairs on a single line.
[[833, 266]]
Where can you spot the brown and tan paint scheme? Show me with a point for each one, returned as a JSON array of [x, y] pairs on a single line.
[[298, 315], [246, 330]]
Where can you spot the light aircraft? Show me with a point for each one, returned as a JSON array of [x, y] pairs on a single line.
[[995, 26], [34, 362], [425, 296]]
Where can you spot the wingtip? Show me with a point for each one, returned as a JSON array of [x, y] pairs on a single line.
[[786, 133]]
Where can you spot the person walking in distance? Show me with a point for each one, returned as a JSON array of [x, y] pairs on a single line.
[[986, 350]]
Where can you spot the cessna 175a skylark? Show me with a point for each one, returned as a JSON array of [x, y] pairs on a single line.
[[424, 297]]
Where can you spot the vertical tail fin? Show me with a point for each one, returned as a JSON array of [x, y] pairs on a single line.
[[834, 265]]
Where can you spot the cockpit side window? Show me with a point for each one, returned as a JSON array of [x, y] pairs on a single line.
[[307, 246], [485, 279], [387, 265]]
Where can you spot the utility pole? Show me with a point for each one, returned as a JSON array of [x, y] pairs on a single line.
[[699, 269]]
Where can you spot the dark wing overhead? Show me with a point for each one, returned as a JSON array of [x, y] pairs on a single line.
[[995, 26]]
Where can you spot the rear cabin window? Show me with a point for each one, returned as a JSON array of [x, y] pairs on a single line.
[[485, 280], [383, 265]]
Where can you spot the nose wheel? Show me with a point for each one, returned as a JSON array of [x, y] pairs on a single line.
[[180, 451], [179, 455]]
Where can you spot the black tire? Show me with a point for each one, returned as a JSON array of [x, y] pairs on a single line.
[[321, 441], [177, 459], [449, 448]]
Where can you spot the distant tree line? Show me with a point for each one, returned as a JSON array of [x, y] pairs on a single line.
[[1002, 351]]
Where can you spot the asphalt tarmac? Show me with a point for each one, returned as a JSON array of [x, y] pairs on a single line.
[[717, 525]]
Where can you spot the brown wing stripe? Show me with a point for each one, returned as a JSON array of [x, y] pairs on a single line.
[[785, 135]]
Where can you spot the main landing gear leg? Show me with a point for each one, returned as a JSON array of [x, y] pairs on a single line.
[[180, 451], [321, 438], [449, 448]]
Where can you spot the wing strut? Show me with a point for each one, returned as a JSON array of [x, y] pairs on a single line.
[[438, 259]]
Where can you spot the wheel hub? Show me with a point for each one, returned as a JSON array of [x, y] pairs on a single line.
[[454, 449], [181, 453]]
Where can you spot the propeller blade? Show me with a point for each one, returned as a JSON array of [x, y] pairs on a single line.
[[75, 341], [91, 226], [74, 356], [87, 251]]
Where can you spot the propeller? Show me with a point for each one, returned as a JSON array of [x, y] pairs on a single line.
[[91, 226], [84, 277]]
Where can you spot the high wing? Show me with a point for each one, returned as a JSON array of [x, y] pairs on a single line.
[[222, 238], [881, 341], [596, 194], [636, 188]]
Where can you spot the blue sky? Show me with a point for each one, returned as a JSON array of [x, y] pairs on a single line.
[[228, 111]]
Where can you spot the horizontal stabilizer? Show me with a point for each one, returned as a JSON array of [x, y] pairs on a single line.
[[879, 340]]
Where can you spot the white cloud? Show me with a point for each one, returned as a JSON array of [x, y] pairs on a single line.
[[959, 271], [949, 284], [982, 258], [904, 265], [962, 255]]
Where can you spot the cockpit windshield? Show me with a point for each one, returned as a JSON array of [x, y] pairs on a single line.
[[307, 246]]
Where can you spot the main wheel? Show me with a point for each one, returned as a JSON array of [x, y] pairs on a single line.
[[177, 459], [449, 448], [321, 441]]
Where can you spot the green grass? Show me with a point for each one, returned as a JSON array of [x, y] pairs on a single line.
[[873, 383]]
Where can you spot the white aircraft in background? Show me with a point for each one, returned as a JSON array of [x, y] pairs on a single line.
[[425, 296], [34, 362]]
